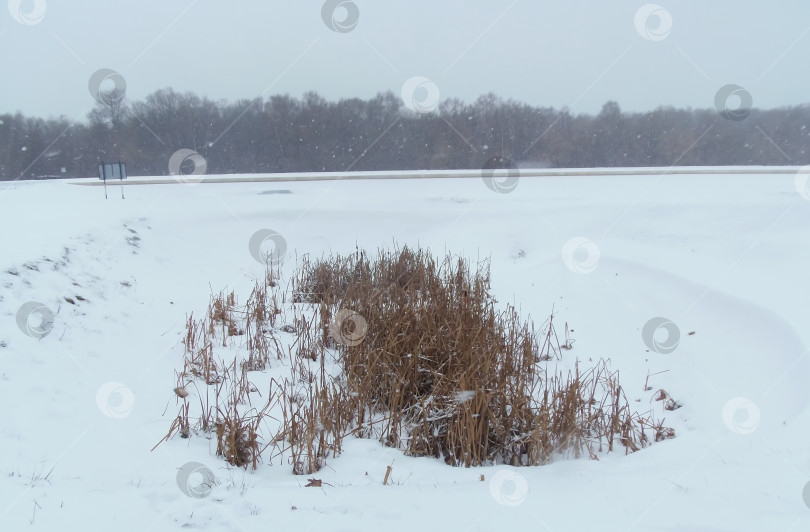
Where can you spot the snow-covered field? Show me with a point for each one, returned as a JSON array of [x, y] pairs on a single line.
[[722, 257]]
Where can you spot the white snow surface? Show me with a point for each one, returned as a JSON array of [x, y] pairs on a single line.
[[722, 256]]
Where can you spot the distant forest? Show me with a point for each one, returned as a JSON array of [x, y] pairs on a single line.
[[310, 134]]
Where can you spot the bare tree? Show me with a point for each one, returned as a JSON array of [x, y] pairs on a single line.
[[110, 109]]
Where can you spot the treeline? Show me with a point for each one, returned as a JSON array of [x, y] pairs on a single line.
[[286, 134]]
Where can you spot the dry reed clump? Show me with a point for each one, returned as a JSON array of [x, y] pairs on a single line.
[[404, 349], [439, 371], [229, 414]]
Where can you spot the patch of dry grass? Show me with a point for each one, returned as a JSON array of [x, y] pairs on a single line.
[[406, 349]]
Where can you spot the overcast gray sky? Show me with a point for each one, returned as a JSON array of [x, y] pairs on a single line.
[[578, 54]]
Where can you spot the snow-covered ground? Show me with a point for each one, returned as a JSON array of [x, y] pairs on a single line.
[[722, 257]]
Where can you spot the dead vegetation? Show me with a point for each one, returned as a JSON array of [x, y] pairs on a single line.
[[407, 350]]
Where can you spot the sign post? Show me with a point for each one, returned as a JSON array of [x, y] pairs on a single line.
[[102, 174], [112, 170]]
